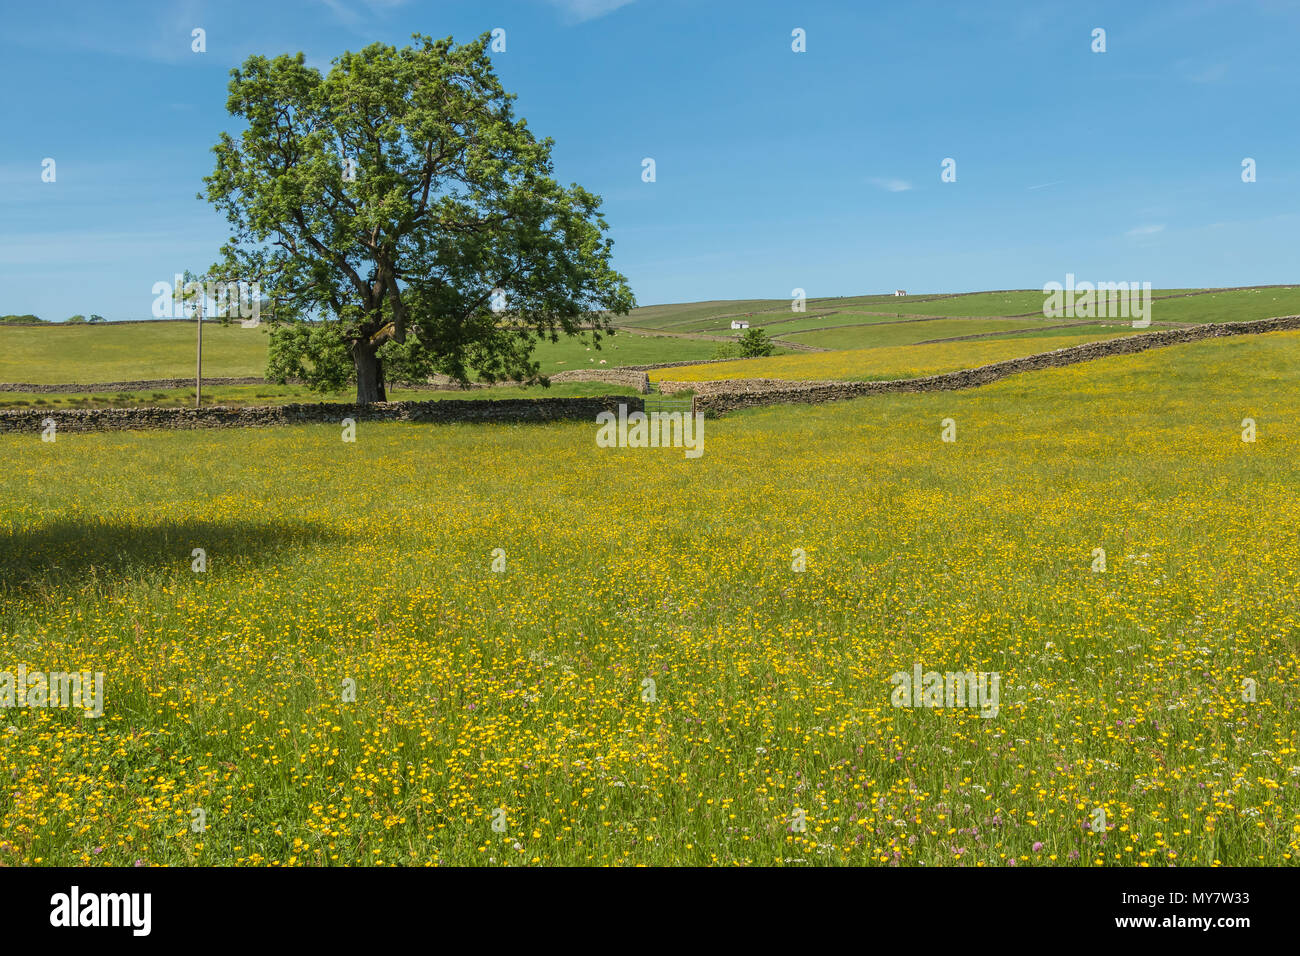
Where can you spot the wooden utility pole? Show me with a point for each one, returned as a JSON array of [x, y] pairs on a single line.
[[198, 370]]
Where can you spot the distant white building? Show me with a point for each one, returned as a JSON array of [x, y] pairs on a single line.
[[739, 324], [900, 292]]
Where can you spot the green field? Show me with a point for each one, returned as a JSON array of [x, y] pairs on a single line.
[[622, 348], [56, 354], [649, 678], [670, 316], [1169, 305], [50, 355]]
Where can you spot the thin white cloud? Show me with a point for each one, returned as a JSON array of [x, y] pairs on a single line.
[[1199, 71], [351, 17], [343, 13], [1139, 231], [579, 11], [166, 38], [892, 185], [1045, 185]]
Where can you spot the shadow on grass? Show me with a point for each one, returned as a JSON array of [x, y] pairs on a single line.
[[72, 554]]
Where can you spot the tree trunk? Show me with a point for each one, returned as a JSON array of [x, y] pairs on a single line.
[[370, 374]]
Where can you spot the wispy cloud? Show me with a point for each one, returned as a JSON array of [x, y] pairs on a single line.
[[165, 38], [344, 13], [891, 185], [579, 11], [348, 15], [1211, 74], [1045, 185], [1139, 231]]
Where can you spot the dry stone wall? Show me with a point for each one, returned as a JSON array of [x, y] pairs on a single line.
[[218, 416], [631, 378], [137, 386]]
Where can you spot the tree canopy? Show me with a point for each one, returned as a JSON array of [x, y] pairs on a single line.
[[756, 343], [399, 215]]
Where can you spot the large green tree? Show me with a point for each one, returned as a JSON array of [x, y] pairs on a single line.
[[397, 212]]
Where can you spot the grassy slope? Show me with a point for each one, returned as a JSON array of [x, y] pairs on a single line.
[[622, 348], [1234, 306], [899, 361], [524, 690], [117, 353], [676, 314], [776, 316], [166, 349], [911, 333], [1239, 306]]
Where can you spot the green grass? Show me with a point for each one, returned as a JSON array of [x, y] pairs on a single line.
[[55, 354], [369, 564], [52, 355], [776, 316], [685, 313], [977, 304], [1239, 306], [716, 317], [1233, 306], [911, 333], [621, 348]]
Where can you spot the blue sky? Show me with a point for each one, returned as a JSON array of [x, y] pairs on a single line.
[[775, 169]]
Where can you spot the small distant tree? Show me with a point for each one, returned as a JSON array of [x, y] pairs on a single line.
[[77, 319], [755, 343], [96, 318]]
